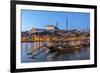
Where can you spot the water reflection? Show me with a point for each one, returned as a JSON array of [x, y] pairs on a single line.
[[44, 55]]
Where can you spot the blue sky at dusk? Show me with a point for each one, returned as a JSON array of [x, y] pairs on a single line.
[[40, 19]]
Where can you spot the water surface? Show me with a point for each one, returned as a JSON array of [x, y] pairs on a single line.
[[43, 54]]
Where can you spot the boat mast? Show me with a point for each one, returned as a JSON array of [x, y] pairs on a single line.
[[66, 24], [66, 29]]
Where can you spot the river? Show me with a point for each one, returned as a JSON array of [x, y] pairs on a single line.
[[44, 56]]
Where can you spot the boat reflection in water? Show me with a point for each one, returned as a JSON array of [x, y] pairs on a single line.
[[30, 52]]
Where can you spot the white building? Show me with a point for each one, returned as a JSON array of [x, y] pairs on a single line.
[[50, 27]]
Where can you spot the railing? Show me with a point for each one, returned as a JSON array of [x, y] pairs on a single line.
[[46, 45]]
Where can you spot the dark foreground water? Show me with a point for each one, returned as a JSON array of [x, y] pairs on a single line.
[[43, 54]]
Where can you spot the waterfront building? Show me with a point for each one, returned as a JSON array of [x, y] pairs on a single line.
[[34, 30]]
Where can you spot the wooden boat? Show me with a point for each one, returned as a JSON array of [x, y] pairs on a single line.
[[63, 49]]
